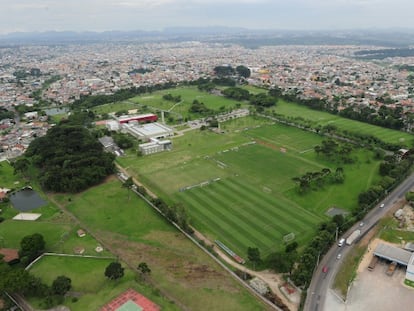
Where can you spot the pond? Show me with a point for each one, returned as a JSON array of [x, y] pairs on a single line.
[[26, 200], [57, 110]]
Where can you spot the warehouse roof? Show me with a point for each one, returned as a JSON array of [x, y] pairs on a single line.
[[393, 253]]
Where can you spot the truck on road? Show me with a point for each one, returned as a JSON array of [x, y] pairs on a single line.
[[354, 235]]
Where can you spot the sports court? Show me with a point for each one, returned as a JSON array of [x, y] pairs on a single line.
[[130, 300]]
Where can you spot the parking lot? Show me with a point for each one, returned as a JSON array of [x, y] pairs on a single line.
[[374, 290]]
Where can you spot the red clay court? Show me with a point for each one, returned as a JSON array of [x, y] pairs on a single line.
[[130, 300]]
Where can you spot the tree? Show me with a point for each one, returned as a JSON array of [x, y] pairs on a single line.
[[21, 165], [253, 254], [31, 246], [243, 71], [61, 285], [144, 269], [128, 184], [114, 271]]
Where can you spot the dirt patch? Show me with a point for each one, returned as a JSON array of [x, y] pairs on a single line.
[[273, 280]]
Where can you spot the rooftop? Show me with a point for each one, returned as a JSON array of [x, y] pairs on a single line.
[[393, 253]]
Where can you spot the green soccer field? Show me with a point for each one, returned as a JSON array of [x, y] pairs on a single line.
[[237, 187], [324, 118]]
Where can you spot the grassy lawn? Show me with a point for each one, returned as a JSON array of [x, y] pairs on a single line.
[[88, 279], [7, 178], [137, 233], [391, 233], [154, 102], [325, 118], [12, 232], [347, 272]]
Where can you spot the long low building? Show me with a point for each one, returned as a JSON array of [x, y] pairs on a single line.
[[393, 253], [146, 132], [399, 255], [141, 118], [155, 147]]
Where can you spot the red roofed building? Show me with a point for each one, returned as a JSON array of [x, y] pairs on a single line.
[[9, 254]]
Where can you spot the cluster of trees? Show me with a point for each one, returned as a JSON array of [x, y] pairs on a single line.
[[23, 74], [115, 271], [123, 140], [140, 70], [169, 97], [200, 108], [262, 100], [236, 93], [316, 180], [385, 116], [14, 279], [283, 262], [69, 158], [334, 151], [224, 71], [6, 114], [392, 170], [320, 244], [175, 213], [31, 247], [259, 100]]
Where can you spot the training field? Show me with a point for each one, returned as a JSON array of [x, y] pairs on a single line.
[[325, 118], [237, 187], [154, 102]]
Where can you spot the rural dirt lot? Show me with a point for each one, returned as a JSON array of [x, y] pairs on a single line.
[[374, 290]]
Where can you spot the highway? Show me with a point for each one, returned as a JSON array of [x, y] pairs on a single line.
[[322, 281]]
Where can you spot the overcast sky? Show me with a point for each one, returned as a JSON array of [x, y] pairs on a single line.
[[101, 15]]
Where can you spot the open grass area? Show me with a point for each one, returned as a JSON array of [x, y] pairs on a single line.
[[139, 234], [324, 118], [347, 272], [13, 231], [87, 275], [391, 233], [7, 178], [154, 102]]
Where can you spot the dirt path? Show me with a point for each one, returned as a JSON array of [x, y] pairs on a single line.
[[273, 280]]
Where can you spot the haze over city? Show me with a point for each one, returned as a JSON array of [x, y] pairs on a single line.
[[104, 15]]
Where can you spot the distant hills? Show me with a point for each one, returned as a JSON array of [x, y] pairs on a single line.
[[246, 37]]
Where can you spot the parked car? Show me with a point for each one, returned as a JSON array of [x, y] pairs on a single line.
[[338, 256]]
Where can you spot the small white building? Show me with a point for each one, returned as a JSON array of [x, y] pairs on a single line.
[[112, 125], [146, 132], [409, 273], [155, 146], [31, 115]]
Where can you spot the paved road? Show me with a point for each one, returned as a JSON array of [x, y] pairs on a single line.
[[321, 282]]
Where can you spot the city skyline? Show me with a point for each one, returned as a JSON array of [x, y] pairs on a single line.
[[127, 15]]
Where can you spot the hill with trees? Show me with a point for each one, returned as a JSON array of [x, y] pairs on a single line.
[[69, 159]]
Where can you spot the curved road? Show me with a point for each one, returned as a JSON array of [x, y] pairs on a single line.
[[322, 281]]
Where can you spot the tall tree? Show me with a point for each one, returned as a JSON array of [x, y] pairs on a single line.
[[243, 71], [253, 254], [31, 246], [114, 271], [128, 185], [61, 285]]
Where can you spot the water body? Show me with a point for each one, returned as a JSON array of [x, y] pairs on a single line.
[[55, 111], [26, 200]]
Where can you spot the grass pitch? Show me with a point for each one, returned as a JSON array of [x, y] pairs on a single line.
[[237, 187]]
